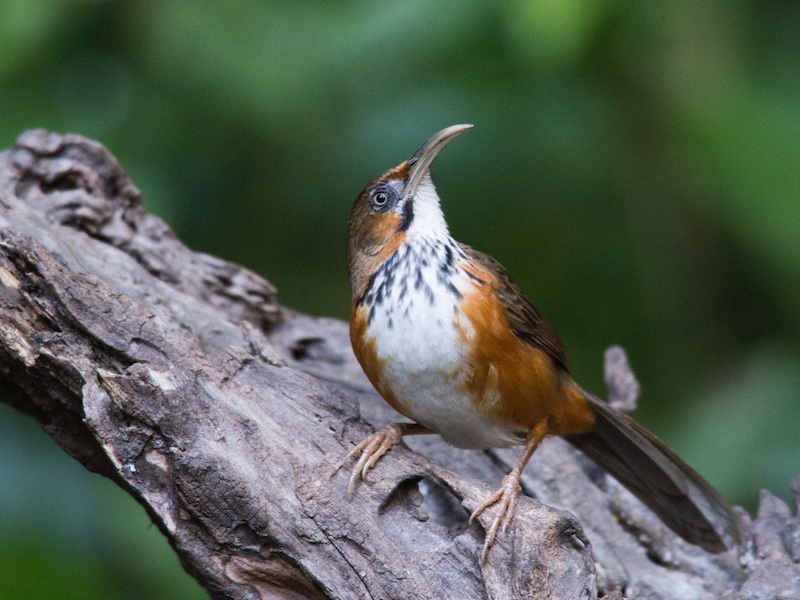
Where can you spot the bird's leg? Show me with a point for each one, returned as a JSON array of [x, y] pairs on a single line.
[[378, 444], [509, 490]]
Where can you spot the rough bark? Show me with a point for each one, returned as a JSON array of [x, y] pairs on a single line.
[[179, 376]]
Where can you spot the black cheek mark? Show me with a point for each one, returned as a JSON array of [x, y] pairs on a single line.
[[408, 216]]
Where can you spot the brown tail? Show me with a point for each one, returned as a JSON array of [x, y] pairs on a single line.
[[681, 498]]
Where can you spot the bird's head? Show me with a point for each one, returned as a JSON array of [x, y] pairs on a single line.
[[399, 205]]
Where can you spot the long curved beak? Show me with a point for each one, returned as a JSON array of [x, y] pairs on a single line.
[[427, 153]]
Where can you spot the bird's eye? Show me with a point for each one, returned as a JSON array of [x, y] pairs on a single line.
[[380, 200]]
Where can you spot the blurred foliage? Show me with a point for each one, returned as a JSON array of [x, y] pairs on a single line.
[[636, 166], [70, 534]]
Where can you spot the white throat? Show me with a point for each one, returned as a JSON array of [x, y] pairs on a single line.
[[428, 222]]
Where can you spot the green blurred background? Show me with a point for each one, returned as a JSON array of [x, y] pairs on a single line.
[[635, 165]]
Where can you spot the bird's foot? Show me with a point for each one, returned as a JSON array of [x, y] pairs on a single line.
[[371, 449], [507, 497]]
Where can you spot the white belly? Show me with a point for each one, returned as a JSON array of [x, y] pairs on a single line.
[[424, 361]]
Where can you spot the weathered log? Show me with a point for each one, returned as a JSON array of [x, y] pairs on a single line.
[[228, 417]]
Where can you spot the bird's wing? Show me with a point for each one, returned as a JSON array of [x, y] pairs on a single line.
[[527, 323]]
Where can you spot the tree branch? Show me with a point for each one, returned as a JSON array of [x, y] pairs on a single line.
[[178, 376]]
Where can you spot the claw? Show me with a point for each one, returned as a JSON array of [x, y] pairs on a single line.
[[372, 449], [507, 496]]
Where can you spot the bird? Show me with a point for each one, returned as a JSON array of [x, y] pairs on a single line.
[[451, 342]]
